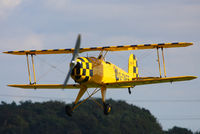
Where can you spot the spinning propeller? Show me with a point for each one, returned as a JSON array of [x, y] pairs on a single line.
[[74, 58]]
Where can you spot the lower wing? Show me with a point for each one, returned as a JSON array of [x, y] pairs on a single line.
[[46, 86], [121, 84], [148, 80]]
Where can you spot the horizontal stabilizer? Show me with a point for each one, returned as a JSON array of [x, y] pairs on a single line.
[[105, 48]]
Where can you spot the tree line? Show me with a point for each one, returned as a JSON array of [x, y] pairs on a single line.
[[50, 118]]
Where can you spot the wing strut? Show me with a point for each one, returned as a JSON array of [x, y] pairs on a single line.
[[163, 59], [33, 67], [29, 74], [163, 62], [159, 62]]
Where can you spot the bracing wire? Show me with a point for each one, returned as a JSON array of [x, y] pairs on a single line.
[[145, 54], [55, 67], [141, 59], [100, 105]]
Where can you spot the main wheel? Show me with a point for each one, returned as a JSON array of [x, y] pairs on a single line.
[[107, 109], [68, 110]]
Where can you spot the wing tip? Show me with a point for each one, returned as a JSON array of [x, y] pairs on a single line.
[[187, 43], [6, 52], [186, 78], [193, 77]]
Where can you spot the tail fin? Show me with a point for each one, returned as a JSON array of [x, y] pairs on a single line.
[[133, 66]]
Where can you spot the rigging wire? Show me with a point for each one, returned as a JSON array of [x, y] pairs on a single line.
[[145, 54], [51, 68], [141, 59]]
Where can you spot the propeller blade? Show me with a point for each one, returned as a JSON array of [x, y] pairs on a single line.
[[68, 74], [76, 49], [73, 60]]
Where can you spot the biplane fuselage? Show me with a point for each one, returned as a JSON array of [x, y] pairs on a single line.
[[95, 72], [91, 70]]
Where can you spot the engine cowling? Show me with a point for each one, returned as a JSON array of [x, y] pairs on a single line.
[[83, 71]]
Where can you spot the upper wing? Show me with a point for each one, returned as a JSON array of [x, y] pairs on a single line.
[[148, 80], [106, 48]]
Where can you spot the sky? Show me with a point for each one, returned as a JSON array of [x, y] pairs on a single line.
[[51, 24]]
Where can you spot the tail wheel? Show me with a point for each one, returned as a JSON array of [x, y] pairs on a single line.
[[107, 109], [68, 110]]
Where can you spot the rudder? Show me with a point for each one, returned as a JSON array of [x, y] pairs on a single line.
[[133, 66]]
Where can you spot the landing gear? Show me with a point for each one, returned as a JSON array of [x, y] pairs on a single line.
[[129, 90], [107, 109], [68, 110]]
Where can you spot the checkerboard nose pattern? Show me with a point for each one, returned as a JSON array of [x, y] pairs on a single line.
[[83, 71]]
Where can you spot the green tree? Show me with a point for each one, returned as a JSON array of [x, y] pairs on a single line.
[[179, 130], [50, 118]]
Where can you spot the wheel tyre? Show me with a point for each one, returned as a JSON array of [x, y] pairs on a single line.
[[107, 109], [68, 110]]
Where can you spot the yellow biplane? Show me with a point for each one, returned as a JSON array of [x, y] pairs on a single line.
[[95, 72]]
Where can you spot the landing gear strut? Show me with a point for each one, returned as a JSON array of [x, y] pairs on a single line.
[[106, 107]]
